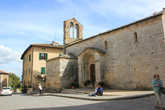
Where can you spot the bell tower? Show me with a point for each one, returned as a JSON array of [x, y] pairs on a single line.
[[72, 31]]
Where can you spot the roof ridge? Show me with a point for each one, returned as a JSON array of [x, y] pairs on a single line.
[[1, 71], [119, 27]]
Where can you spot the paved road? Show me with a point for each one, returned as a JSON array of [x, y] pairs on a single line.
[[22, 102]]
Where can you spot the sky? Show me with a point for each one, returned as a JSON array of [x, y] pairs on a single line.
[[23, 22]]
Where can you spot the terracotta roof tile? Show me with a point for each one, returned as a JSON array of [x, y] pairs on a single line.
[[2, 72], [52, 45]]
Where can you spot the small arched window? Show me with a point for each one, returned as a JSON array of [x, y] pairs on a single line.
[[77, 30], [135, 37], [106, 45], [74, 30]]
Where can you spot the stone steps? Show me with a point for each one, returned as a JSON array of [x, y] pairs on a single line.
[[77, 91]]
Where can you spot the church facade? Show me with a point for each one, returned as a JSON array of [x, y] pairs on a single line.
[[126, 57]]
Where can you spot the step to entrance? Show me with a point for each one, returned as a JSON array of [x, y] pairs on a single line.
[[77, 91]]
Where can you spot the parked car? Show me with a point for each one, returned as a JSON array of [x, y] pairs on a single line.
[[6, 91]]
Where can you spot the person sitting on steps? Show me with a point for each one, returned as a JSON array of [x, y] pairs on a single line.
[[98, 91]]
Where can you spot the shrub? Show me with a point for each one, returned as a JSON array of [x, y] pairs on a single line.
[[24, 89], [74, 85], [87, 82], [101, 83]]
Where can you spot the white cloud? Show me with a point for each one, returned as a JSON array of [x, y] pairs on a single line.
[[25, 28], [40, 24], [126, 8], [47, 23], [7, 55]]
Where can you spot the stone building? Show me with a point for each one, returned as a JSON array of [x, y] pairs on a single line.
[[61, 72], [126, 57], [34, 62], [4, 78]]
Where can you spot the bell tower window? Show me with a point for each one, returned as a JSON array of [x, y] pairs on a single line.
[[72, 31]]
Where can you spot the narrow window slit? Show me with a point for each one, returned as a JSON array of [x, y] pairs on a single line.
[[135, 37]]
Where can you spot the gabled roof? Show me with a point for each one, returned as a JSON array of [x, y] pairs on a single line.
[[52, 45]]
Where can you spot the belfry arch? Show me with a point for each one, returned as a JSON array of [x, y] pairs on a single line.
[[72, 31]]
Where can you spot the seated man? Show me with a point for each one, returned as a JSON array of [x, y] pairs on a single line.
[[98, 91]]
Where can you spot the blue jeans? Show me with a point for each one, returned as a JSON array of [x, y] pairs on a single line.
[[158, 99]]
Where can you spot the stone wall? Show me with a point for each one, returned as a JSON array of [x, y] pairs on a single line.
[[133, 54], [68, 70], [61, 72], [134, 61], [53, 74]]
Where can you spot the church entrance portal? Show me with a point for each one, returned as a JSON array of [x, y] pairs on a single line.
[[92, 74], [89, 62]]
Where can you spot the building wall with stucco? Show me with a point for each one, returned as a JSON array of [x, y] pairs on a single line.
[[32, 68], [4, 79], [37, 64], [27, 68]]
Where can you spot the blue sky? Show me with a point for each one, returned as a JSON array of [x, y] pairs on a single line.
[[23, 22]]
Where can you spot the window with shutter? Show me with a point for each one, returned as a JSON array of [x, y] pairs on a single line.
[[46, 56], [42, 70], [30, 57], [40, 56], [43, 56]]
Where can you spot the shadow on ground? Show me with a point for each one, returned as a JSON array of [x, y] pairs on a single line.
[[133, 104]]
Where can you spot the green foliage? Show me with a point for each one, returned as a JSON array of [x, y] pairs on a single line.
[[14, 81], [74, 84], [101, 83], [87, 83]]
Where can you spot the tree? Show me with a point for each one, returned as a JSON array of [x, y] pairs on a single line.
[[14, 81]]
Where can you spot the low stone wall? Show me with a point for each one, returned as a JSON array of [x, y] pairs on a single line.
[[61, 72]]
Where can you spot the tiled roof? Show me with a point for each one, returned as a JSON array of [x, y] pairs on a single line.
[[52, 45], [48, 45], [2, 72]]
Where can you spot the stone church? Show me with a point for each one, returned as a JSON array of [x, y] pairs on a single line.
[[126, 57]]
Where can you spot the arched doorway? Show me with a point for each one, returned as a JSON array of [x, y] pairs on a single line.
[[89, 62], [92, 74]]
